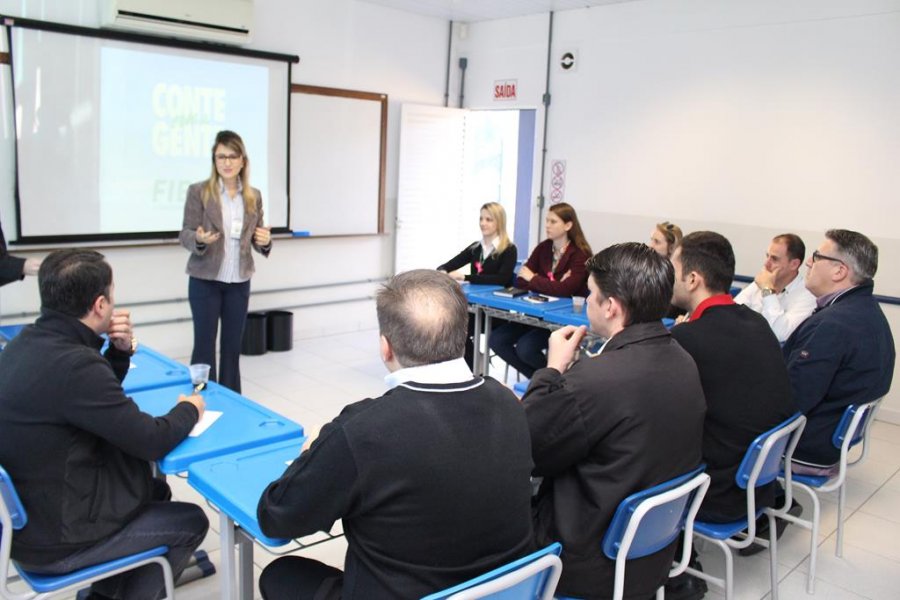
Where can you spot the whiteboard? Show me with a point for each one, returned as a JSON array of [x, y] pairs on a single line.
[[338, 140]]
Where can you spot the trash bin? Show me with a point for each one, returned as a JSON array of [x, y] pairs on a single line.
[[280, 330], [254, 342]]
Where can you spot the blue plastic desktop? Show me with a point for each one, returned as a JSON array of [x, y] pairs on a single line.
[[235, 482], [8, 332], [477, 288], [567, 316], [519, 305], [244, 424], [150, 369]]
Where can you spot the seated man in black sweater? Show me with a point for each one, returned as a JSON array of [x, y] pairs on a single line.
[[78, 449], [743, 374], [431, 479]]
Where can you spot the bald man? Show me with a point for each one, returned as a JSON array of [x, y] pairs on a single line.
[[431, 479]]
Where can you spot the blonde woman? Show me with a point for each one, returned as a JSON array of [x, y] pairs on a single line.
[[223, 219], [664, 238], [492, 259]]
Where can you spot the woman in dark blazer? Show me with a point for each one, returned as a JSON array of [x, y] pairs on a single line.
[[492, 259], [556, 267], [223, 220]]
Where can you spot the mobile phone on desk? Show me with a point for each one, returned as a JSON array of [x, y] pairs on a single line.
[[536, 298]]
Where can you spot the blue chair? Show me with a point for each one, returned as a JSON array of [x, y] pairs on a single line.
[[13, 518], [762, 464], [648, 521], [533, 577], [852, 429]]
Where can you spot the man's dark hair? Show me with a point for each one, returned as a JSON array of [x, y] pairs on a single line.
[[858, 251], [70, 280], [424, 315], [794, 246], [639, 278], [709, 254]]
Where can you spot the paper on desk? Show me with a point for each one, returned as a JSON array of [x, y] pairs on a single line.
[[209, 417]]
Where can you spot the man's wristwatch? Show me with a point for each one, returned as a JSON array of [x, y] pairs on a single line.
[[766, 291], [134, 345]]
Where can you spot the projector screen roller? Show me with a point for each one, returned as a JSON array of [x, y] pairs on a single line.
[[110, 133]]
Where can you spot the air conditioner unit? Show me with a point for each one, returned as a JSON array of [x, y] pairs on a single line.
[[222, 21]]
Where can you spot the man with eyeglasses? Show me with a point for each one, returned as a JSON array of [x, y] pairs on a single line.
[[778, 292], [844, 353]]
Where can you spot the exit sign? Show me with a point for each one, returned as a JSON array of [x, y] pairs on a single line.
[[506, 89]]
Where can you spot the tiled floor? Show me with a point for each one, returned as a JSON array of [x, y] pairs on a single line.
[[311, 384]]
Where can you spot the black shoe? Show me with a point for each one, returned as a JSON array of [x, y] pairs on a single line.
[[686, 586], [762, 529]]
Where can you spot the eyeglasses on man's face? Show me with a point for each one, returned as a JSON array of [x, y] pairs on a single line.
[[817, 256], [227, 158]]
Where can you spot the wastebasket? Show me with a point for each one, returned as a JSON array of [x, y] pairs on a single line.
[[280, 330], [254, 342]]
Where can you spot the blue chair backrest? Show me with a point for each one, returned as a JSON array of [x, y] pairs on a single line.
[[841, 431], [530, 588], [771, 468], [12, 502], [659, 527]]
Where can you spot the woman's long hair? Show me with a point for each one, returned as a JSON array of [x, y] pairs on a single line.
[[672, 234], [565, 212], [233, 142], [498, 213]]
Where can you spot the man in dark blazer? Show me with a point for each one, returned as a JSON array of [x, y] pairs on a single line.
[[612, 424], [844, 353]]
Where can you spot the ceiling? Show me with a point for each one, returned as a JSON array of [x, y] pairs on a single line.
[[483, 10]]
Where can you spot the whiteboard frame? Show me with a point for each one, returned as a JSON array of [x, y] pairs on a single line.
[[382, 99]]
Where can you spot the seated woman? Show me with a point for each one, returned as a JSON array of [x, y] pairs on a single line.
[[664, 238], [556, 267], [492, 259]]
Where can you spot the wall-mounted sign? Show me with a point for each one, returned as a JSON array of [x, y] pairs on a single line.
[[557, 181], [568, 60], [506, 89]]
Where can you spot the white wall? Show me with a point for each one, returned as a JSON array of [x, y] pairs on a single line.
[[747, 118], [341, 43]]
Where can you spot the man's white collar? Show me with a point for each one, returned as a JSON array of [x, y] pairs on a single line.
[[451, 371]]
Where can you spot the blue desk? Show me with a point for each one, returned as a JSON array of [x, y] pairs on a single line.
[[519, 305], [8, 332], [150, 369], [511, 309], [234, 483], [244, 424], [567, 316], [470, 289]]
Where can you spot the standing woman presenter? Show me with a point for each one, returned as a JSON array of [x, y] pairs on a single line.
[[223, 219]]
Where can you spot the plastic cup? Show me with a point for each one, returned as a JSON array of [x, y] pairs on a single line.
[[199, 373], [577, 304]]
